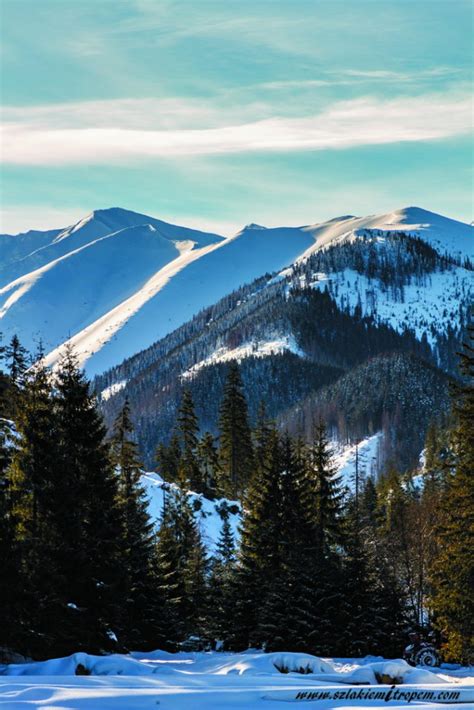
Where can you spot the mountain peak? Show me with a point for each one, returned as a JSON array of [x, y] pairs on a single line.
[[253, 225]]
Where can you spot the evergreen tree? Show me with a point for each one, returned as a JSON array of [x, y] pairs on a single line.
[[329, 493], [328, 540], [88, 515], [16, 357], [452, 600], [9, 559], [222, 570], [258, 547], [168, 459], [188, 428], [208, 461], [182, 570], [286, 618], [235, 450], [138, 544], [32, 475]]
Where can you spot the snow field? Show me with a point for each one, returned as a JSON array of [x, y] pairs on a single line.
[[214, 681]]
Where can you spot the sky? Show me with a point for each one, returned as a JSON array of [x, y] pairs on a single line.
[[215, 114]]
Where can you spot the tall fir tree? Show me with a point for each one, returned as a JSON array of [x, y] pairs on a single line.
[[140, 604], [188, 428], [235, 450], [208, 462], [452, 600], [328, 540], [32, 477], [222, 570], [168, 459], [258, 550], [88, 515]]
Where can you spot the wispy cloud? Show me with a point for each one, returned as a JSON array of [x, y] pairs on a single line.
[[358, 122]]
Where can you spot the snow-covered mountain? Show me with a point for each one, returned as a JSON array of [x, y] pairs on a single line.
[[117, 281]]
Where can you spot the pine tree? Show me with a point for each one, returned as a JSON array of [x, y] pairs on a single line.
[[329, 493], [16, 358], [32, 475], [88, 516], [138, 544], [235, 450], [188, 428], [328, 540], [181, 570], [286, 617], [10, 585], [452, 600], [168, 459], [258, 547], [222, 570], [208, 462]]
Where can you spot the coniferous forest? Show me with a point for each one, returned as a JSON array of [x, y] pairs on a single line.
[[316, 568]]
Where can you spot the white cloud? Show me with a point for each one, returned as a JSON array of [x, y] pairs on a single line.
[[346, 124], [21, 218]]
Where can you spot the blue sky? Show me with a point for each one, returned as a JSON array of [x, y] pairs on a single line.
[[215, 114]]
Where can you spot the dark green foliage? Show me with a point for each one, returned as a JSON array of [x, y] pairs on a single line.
[[137, 555], [87, 513], [188, 429], [452, 571], [235, 442]]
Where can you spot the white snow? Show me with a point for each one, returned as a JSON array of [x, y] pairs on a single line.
[[258, 348], [214, 680], [117, 281], [206, 513], [426, 309], [112, 390], [367, 451]]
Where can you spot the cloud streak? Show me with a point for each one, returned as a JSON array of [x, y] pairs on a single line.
[[347, 124]]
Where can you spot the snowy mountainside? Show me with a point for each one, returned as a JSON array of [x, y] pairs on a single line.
[[207, 512], [146, 302]]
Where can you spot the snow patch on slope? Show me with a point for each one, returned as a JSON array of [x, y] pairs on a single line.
[[367, 455], [206, 511], [435, 304], [256, 348], [112, 390]]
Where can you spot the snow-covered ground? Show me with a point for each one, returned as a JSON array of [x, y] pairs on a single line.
[[217, 681]]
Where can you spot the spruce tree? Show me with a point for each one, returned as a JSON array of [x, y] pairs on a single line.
[[16, 358], [235, 451], [168, 459], [88, 515], [208, 462], [286, 617], [188, 428], [181, 570], [138, 545], [222, 570], [328, 541], [258, 552], [32, 476], [452, 601]]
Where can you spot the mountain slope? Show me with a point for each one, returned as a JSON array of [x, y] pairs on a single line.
[[120, 302], [20, 254], [73, 290]]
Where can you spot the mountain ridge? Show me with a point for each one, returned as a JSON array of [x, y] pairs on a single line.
[[202, 268]]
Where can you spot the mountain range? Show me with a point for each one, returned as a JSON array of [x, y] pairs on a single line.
[[315, 314]]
